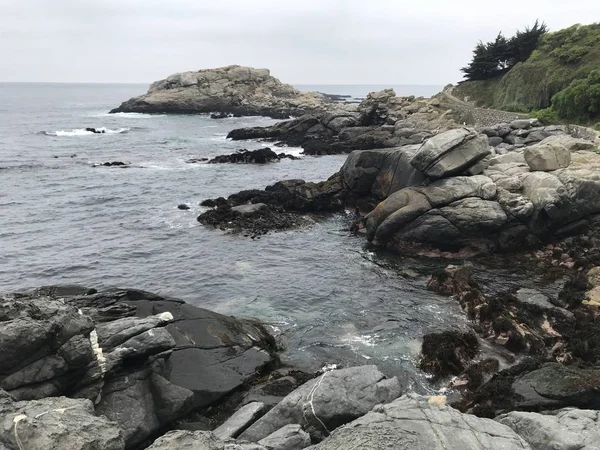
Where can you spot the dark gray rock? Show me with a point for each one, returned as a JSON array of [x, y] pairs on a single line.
[[556, 386], [143, 372], [381, 172], [495, 141], [328, 401]]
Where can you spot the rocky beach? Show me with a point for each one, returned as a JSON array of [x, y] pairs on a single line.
[[438, 178]]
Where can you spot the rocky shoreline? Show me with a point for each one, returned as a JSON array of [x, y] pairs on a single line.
[[126, 369]]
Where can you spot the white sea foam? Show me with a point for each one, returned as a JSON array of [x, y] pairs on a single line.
[[84, 132], [130, 115]]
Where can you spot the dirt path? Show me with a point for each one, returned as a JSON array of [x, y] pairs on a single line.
[[480, 116]]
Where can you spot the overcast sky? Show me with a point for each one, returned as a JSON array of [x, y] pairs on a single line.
[[307, 41]]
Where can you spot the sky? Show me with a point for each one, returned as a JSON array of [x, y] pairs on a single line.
[[301, 42]]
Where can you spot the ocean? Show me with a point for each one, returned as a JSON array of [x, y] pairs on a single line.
[[327, 295]]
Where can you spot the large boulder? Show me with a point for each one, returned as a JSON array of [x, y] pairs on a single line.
[[419, 213], [451, 153], [547, 156], [566, 429], [325, 403], [419, 423], [56, 423], [382, 172], [232, 89]]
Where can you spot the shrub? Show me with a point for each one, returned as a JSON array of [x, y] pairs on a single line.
[[570, 55], [597, 126], [580, 101], [547, 116]]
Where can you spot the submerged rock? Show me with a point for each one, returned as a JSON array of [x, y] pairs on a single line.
[[260, 156], [448, 352]]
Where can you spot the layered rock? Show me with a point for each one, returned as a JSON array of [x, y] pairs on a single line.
[[232, 90], [517, 200], [144, 360]]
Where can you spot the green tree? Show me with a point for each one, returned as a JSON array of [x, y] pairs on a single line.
[[524, 43], [500, 55]]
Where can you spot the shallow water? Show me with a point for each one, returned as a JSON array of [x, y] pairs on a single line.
[[329, 296]]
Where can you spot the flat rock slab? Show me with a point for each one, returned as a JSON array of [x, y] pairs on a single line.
[[413, 422], [566, 429], [241, 420]]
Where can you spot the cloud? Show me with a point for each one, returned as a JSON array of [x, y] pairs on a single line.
[[324, 41]]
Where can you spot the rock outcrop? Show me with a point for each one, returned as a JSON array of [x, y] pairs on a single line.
[[508, 205], [422, 423], [231, 90], [382, 120], [144, 360]]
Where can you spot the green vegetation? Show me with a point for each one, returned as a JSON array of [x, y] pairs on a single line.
[[547, 116], [557, 75]]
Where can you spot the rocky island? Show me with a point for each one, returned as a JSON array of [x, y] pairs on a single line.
[[235, 90]]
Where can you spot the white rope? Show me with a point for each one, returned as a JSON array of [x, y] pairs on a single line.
[[16, 420], [312, 406]]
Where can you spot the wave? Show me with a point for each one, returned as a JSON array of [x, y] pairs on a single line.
[[133, 115], [85, 132]]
